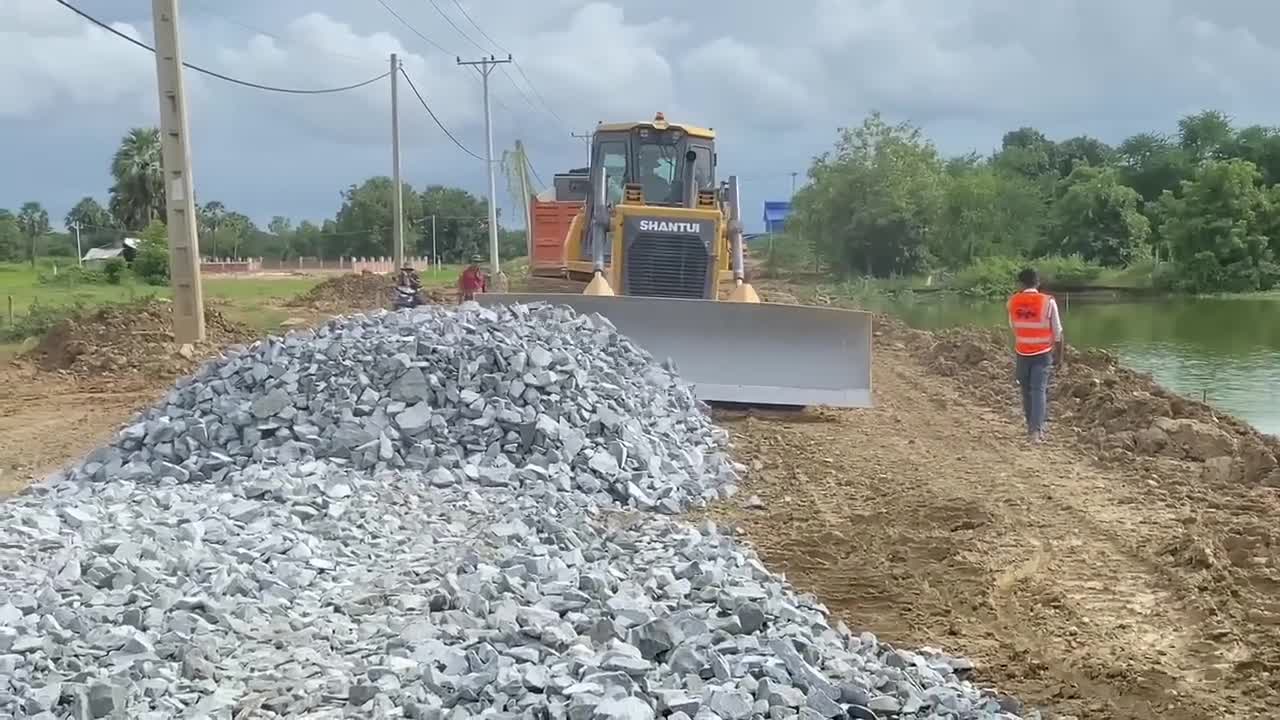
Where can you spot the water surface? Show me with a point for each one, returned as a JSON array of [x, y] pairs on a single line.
[[1224, 350]]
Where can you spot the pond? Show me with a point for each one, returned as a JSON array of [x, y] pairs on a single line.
[[1224, 350]]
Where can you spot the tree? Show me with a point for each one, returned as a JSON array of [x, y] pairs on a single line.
[[33, 220], [97, 227], [1096, 216], [1259, 145], [1205, 134], [1081, 150], [987, 212], [10, 237], [151, 264], [137, 197], [1216, 227], [462, 226], [1152, 164], [280, 225], [1027, 152], [209, 217], [871, 205]]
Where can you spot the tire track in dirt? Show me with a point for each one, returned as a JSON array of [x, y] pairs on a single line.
[[930, 521], [48, 420]]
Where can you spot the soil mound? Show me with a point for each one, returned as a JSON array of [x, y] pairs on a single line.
[[130, 338], [352, 293], [1122, 412]]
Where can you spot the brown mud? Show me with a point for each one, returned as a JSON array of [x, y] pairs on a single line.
[[1099, 575]]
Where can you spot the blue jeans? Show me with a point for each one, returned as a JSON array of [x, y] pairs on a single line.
[[1033, 376]]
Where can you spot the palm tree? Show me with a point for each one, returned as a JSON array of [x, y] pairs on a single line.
[[34, 222], [137, 197], [211, 216]]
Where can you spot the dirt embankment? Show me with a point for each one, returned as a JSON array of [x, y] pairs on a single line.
[[1129, 569], [353, 293]]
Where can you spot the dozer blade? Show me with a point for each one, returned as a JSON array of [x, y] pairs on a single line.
[[755, 354]]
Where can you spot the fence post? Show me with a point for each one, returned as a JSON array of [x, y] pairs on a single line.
[[10, 309]]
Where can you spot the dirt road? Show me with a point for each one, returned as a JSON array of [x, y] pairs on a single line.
[[1097, 584], [1080, 588]]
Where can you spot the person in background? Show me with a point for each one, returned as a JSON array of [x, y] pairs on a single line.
[[472, 281], [1037, 339]]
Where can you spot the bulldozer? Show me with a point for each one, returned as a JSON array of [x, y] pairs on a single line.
[[659, 242]]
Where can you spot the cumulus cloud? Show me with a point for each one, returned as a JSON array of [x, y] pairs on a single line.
[[766, 76], [51, 60]]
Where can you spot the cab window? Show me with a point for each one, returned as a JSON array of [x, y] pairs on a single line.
[[656, 172], [613, 158]]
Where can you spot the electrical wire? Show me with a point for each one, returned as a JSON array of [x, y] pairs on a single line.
[[454, 25], [519, 69], [413, 29], [477, 27], [439, 124], [218, 75], [537, 94]]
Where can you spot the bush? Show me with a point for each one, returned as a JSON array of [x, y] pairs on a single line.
[[994, 276], [72, 276], [39, 320], [114, 270], [997, 276], [1070, 271], [784, 254], [151, 264]]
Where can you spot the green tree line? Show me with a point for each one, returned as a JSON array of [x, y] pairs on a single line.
[[361, 226], [1201, 204]]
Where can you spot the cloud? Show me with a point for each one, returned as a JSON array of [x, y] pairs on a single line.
[[775, 80], [51, 60]]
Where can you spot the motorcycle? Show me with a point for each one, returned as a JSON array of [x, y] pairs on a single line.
[[405, 298]]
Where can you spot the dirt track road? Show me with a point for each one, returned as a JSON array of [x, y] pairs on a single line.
[[1107, 592], [931, 521]]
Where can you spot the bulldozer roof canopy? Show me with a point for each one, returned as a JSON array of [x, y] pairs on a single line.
[[693, 130]]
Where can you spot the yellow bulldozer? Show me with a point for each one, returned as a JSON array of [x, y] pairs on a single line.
[[659, 242]]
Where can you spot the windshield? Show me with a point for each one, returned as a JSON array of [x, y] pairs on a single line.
[[657, 172], [613, 157]]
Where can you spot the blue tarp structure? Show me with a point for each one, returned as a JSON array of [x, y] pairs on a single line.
[[775, 215]]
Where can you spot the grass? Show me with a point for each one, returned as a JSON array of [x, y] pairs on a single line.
[[251, 300]]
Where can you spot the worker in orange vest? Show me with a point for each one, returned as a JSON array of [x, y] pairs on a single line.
[[472, 281], [1037, 337]]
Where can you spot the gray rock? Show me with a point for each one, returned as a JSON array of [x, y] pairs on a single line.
[[411, 515]]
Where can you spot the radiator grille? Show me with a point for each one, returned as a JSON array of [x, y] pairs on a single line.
[[673, 266]]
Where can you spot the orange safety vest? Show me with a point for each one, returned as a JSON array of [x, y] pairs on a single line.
[[1032, 328]]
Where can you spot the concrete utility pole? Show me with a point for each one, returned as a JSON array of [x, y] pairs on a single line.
[[435, 256], [586, 138], [79, 253], [397, 194], [793, 183], [527, 194], [485, 66], [180, 210]]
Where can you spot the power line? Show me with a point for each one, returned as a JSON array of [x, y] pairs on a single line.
[[218, 75], [413, 29], [439, 124], [519, 69], [534, 88], [477, 27], [454, 25]]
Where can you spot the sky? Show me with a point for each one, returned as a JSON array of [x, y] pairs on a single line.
[[776, 81]]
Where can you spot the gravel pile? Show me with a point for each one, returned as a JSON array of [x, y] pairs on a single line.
[[425, 515]]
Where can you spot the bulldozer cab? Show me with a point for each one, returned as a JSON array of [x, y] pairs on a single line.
[[663, 164]]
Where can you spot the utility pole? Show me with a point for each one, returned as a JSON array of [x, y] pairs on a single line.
[[180, 210], [586, 138], [485, 66], [435, 256], [793, 183], [79, 253], [397, 194], [528, 200]]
